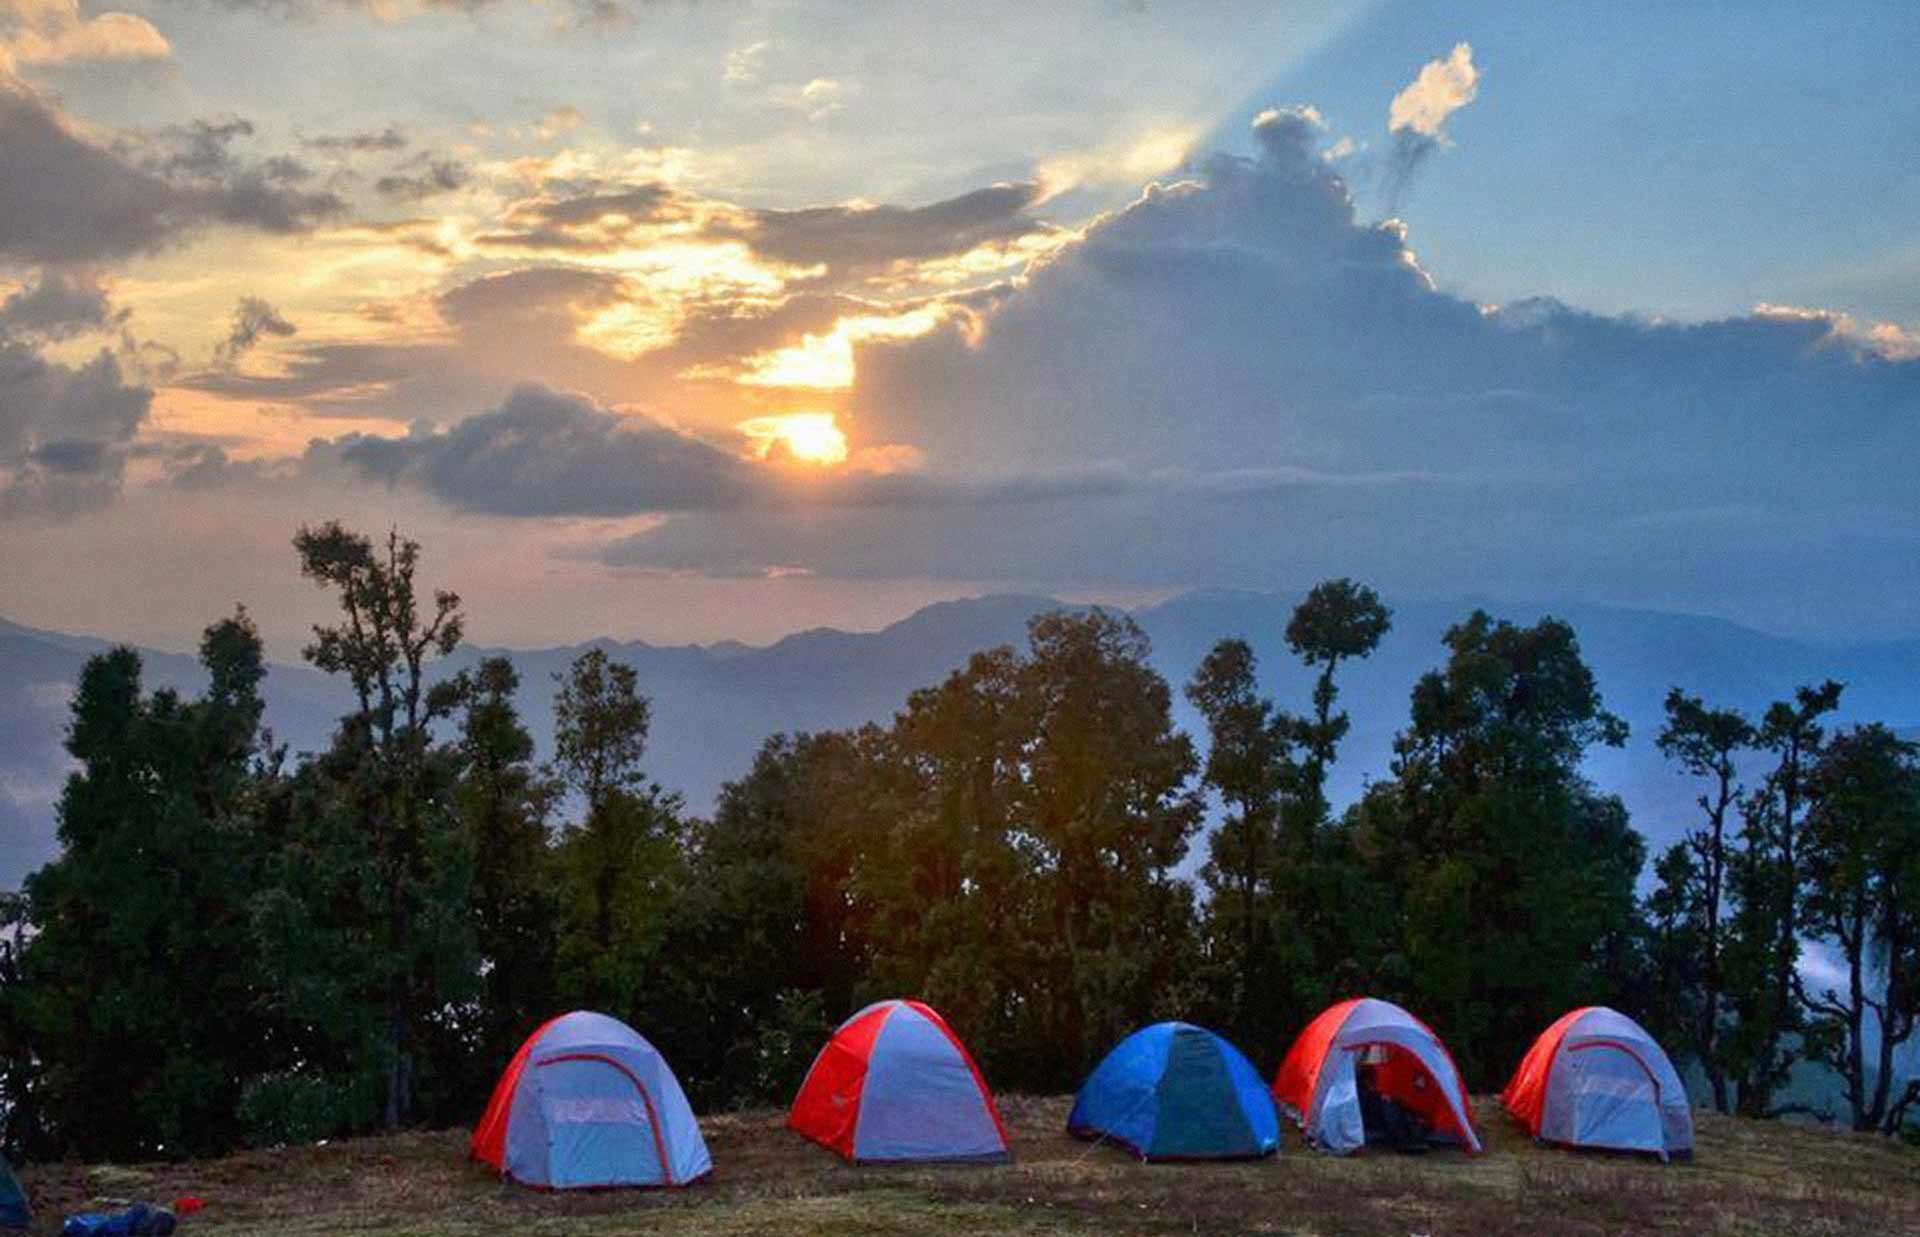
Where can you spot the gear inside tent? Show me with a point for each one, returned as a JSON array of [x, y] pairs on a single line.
[[587, 1103], [1367, 1071], [896, 1084], [1595, 1078], [1175, 1091]]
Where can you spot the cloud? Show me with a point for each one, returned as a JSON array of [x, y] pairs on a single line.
[[599, 218], [434, 177], [820, 98], [66, 198], [543, 453], [252, 319], [745, 65], [1128, 163], [860, 236], [63, 429], [57, 305], [388, 139], [560, 121], [844, 241], [1247, 319], [1417, 118], [1442, 88], [52, 32], [1234, 379], [213, 184]]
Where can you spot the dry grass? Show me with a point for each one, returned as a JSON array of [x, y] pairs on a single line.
[[1747, 1178]]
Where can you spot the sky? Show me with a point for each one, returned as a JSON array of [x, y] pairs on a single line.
[[698, 321]]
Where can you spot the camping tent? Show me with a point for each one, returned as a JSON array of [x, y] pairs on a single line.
[[585, 1103], [14, 1212], [1319, 1082], [1175, 1091], [1596, 1078], [895, 1083]]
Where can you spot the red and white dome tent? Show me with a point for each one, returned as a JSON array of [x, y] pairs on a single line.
[[1318, 1082], [896, 1084], [1596, 1079], [588, 1104]]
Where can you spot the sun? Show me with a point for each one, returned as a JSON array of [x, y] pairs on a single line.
[[811, 437]]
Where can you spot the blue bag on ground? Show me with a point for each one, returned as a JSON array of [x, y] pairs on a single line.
[[139, 1220]]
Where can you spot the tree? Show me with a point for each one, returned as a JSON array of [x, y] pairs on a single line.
[[1766, 881], [1672, 997], [1105, 806], [1705, 743], [620, 869], [1249, 765], [1006, 849], [137, 980], [1861, 855], [1292, 880], [1512, 879], [384, 767], [743, 921], [503, 801], [1339, 619], [600, 724]]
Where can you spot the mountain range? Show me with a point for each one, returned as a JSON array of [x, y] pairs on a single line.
[[713, 704]]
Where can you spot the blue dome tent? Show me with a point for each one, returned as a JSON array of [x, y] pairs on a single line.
[[1175, 1091]]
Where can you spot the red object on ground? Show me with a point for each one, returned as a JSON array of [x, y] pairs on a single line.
[[187, 1204]]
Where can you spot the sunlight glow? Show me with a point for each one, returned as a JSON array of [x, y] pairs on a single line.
[[1158, 150], [811, 437], [824, 362]]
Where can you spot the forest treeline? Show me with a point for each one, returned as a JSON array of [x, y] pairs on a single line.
[[238, 945]]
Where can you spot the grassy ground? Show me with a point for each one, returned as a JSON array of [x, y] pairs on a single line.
[[1746, 1178]]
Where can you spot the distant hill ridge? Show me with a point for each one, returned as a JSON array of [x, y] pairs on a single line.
[[713, 704]]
